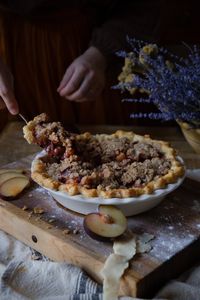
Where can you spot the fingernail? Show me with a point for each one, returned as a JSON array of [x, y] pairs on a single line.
[[14, 111]]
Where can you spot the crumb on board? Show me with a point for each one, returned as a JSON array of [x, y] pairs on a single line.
[[30, 214], [66, 231], [35, 257], [75, 231], [51, 220], [38, 210], [24, 207]]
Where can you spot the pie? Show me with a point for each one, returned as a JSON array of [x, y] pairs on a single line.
[[122, 164]]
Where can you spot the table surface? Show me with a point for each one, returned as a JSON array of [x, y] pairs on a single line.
[[14, 146]]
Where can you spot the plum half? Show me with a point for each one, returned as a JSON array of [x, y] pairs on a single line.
[[109, 222]]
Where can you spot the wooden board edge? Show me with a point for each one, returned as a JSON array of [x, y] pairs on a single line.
[[161, 275], [61, 249], [50, 243]]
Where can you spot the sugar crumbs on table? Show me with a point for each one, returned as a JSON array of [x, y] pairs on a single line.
[[51, 220], [30, 215], [66, 231], [38, 210], [75, 231], [24, 207]]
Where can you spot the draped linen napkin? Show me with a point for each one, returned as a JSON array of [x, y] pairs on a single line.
[[23, 278]]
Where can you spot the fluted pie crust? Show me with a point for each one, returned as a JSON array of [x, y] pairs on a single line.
[[116, 174]]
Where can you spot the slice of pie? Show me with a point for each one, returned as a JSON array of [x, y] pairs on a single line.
[[120, 165]]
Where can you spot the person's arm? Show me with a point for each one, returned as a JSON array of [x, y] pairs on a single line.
[[84, 79], [7, 98]]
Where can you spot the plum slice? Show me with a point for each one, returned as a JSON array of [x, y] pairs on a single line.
[[109, 222], [8, 175], [18, 171], [13, 187]]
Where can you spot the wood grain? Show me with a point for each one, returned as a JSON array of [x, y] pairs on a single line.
[[52, 243], [175, 223]]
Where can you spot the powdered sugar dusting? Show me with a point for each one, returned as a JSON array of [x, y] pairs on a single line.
[[60, 218], [165, 246], [175, 223]]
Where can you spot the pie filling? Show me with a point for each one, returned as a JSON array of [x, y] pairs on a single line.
[[98, 165], [101, 162]]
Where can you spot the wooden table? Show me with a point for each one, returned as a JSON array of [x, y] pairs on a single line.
[[174, 223], [13, 145]]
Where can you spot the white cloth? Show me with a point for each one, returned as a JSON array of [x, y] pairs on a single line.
[[22, 278]]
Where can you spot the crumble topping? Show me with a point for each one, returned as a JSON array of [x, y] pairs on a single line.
[[110, 164], [101, 162]]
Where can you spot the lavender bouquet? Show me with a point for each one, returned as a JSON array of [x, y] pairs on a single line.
[[166, 80]]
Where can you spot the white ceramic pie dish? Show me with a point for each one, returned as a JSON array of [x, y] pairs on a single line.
[[130, 206]]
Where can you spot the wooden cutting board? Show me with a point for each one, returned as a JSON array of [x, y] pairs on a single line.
[[175, 223]]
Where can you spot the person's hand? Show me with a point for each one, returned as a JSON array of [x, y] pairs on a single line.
[[7, 98], [84, 79]]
